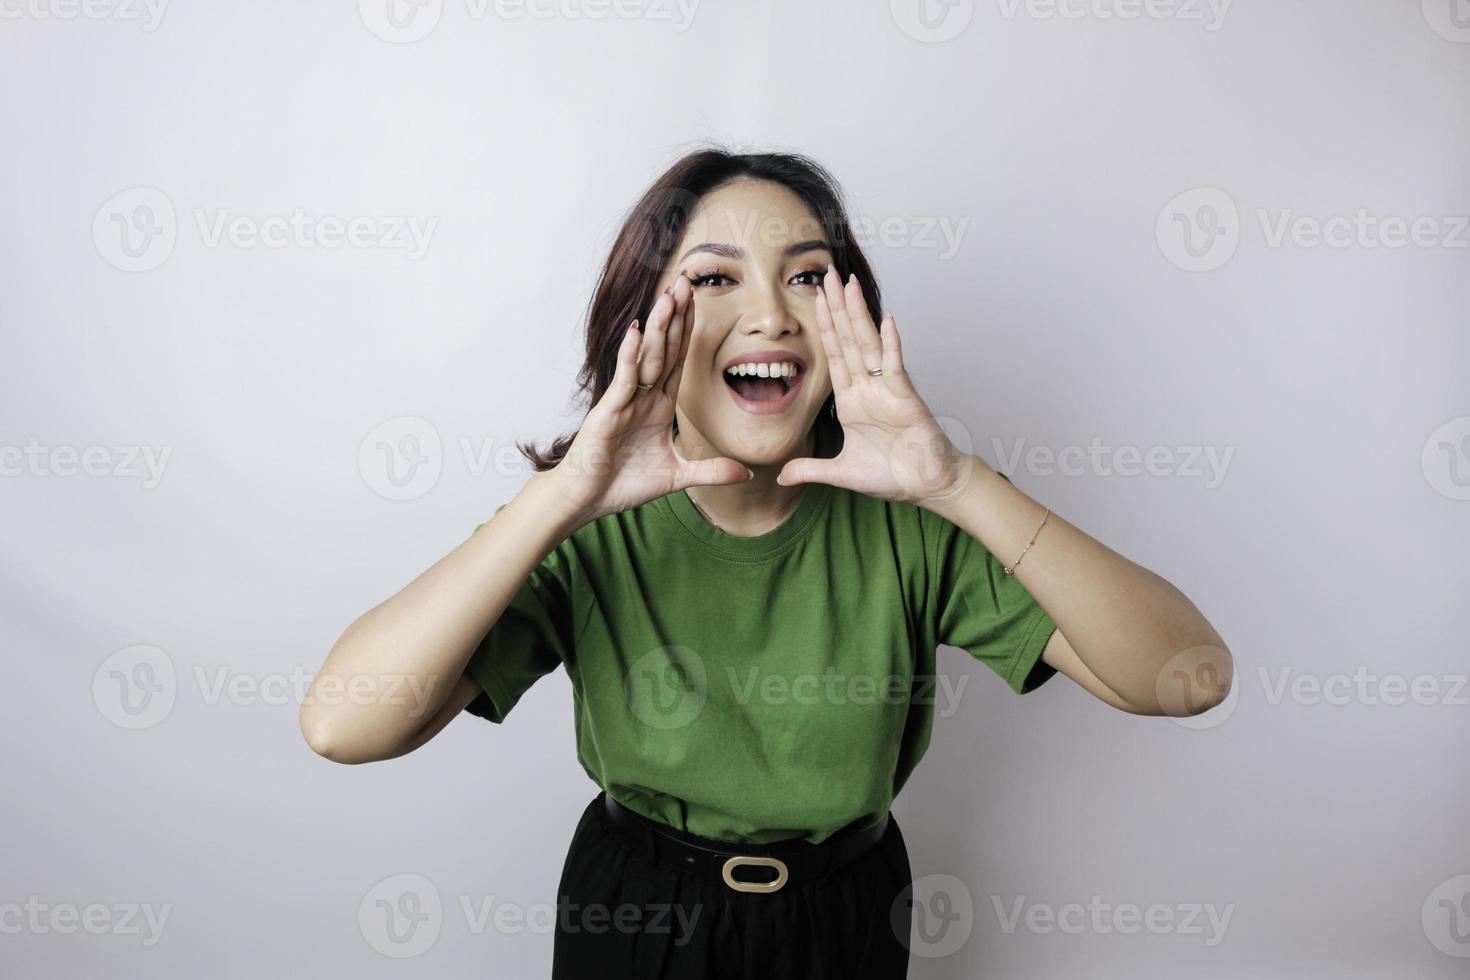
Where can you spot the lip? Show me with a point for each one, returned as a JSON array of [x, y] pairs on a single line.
[[776, 406]]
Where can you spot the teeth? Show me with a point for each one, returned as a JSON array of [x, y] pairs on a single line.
[[780, 369]]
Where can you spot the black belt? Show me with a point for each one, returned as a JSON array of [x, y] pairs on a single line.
[[785, 861]]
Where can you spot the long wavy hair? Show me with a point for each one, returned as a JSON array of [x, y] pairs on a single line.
[[652, 230]]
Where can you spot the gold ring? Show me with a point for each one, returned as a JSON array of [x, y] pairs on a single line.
[[645, 387], [755, 886]]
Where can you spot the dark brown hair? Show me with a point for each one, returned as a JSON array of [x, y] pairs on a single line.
[[652, 230]]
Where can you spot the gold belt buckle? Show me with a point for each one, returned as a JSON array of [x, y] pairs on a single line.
[[741, 860]]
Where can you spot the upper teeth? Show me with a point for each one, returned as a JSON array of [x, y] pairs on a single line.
[[780, 369]]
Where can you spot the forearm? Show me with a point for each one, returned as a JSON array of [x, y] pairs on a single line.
[[394, 667], [1126, 624]]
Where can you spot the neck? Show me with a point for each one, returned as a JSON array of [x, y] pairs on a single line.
[[745, 509]]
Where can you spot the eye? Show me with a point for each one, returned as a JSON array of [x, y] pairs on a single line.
[[813, 277], [710, 279]]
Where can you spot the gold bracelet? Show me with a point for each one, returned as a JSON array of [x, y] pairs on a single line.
[[1012, 569]]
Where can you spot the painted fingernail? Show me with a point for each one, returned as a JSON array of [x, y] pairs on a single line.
[[632, 327], [851, 278], [668, 290]]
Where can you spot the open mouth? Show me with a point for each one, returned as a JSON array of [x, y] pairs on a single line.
[[757, 389], [764, 388]]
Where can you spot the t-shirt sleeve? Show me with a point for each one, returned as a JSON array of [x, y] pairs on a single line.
[[981, 609], [532, 636]]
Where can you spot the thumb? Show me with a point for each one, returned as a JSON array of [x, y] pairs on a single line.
[[808, 469], [711, 472]]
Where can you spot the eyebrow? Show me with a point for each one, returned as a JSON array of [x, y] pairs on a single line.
[[736, 252]]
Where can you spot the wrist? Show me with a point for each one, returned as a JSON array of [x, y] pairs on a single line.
[[550, 498], [972, 473]]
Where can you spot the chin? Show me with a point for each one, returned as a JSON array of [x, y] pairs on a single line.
[[763, 443]]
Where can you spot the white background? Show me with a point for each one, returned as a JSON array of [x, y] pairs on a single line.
[[1334, 376]]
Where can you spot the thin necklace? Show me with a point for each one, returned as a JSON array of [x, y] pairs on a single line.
[[700, 510], [702, 513]]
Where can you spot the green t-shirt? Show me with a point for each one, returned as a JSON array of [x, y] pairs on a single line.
[[760, 688]]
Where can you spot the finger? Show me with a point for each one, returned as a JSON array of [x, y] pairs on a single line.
[[683, 295], [651, 364], [832, 287], [676, 330], [892, 349], [863, 330], [686, 340], [831, 345], [714, 471], [621, 388], [808, 469]]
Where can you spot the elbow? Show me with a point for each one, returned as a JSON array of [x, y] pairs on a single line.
[[325, 718], [1195, 681], [325, 740], [1209, 698], [318, 736]]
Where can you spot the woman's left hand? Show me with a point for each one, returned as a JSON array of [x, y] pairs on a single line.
[[893, 448]]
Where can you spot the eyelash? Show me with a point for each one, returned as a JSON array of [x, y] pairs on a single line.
[[703, 280]]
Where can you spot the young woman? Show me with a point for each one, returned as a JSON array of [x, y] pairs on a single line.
[[745, 558]]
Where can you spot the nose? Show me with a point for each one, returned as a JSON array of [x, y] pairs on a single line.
[[769, 314]]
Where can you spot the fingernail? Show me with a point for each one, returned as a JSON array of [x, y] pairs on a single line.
[[633, 326], [751, 472], [851, 278]]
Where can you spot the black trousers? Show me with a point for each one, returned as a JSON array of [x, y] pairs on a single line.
[[622, 915]]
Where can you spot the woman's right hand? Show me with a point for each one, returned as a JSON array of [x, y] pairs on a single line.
[[623, 455]]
